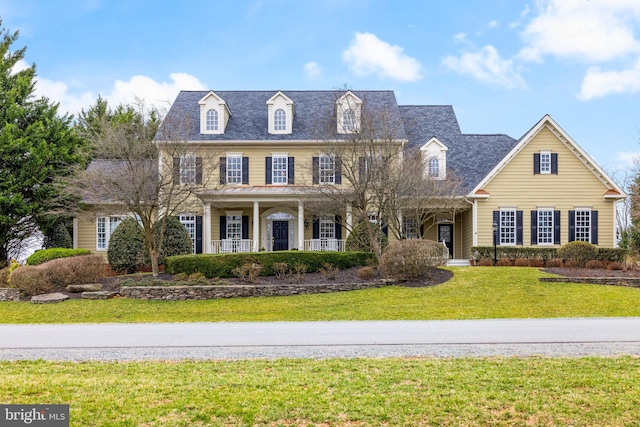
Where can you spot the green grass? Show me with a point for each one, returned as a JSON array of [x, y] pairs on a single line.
[[360, 392], [473, 293]]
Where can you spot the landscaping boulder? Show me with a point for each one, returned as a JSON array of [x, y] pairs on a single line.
[[99, 295], [49, 298], [89, 287]]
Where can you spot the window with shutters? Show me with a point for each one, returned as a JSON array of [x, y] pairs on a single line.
[[545, 162], [583, 225], [279, 168], [189, 222], [187, 169], [410, 228], [234, 169], [234, 227], [327, 228], [545, 227], [507, 227], [326, 169]]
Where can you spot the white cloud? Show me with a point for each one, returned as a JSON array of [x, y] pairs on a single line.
[[312, 70], [370, 55], [153, 93], [494, 24], [593, 31], [486, 66], [460, 37], [598, 83], [627, 159]]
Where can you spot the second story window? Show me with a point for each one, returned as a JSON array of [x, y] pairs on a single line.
[[280, 120], [545, 162], [234, 169], [187, 169], [279, 170], [327, 170], [212, 120], [434, 168]]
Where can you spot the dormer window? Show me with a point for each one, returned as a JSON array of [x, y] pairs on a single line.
[[214, 114], [212, 120], [280, 120], [280, 111], [348, 110], [434, 154]]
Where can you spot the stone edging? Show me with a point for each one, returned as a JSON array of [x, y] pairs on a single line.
[[9, 294], [181, 293], [632, 282]]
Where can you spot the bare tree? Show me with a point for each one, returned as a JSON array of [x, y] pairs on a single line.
[[133, 173], [380, 178]]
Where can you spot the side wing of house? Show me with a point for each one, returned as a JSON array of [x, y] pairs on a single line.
[[546, 192]]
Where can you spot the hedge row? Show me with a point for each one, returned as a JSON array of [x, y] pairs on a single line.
[[519, 252], [222, 265], [45, 255]]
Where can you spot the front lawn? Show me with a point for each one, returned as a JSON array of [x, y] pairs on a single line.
[[338, 392], [473, 293]]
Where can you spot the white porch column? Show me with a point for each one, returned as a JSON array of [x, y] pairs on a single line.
[[256, 226], [300, 225], [206, 228], [349, 221], [401, 231]]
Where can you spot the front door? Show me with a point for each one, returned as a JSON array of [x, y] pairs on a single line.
[[445, 235], [280, 235]]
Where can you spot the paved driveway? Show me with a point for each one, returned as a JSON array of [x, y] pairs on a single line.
[[506, 337]]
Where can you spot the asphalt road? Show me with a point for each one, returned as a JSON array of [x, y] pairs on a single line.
[[451, 338]]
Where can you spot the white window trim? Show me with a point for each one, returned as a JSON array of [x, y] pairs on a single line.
[[410, 223], [188, 220], [231, 222], [227, 177], [188, 176], [216, 124], [107, 231], [286, 169], [332, 176], [545, 153], [575, 224], [515, 227], [551, 243], [327, 228]]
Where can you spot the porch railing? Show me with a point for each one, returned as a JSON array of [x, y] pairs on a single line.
[[231, 246], [325, 245]]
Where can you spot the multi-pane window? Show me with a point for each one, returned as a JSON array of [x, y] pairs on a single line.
[[279, 169], [212, 120], [280, 120], [234, 227], [545, 227], [508, 227], [583, 225], [327, 228], [189, 222], [545, 162], [188, 169], [234, 169], [104, 228], [349, 120], [410, 228], [434, 167], [327, 170]]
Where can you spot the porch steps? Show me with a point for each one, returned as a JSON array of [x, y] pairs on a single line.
[[458, 263]]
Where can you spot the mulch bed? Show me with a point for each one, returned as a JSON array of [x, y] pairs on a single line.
[[591, 272]]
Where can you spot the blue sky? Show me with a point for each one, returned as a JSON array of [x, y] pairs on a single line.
[[502, 64]]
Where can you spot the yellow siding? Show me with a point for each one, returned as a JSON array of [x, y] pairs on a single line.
[[574, 186], [86, 234], [466, 219]]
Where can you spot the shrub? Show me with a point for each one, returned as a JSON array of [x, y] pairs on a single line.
[[367, 273], [505, 262], [514, 252], [522, 262], [280, 270], [248, 272], [222, 265], [485, 262], [31, 280], [45, 255], [299, 270], [126, 251], [614, 265], [74, 271], [4, 277], [359, 239], [58, 237], [555, 262], [537, 262], [594, 263], [578, 252], [411, 259], [329, 272], [176, 239]]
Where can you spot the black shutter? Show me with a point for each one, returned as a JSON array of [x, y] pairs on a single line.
[[315, 169], [338, 229], [198, 170], [534, 227], [536, 163], [362, 168], [223, 227], [554, 163], [198, 234], [245, 170], [290, 171], [594, 227], [245, 227], [385, 229], [268, 175], [556, 227], [223, 170], [572, 226], [496, 221], [316, 228], [519, 240], [176, 170], [338, 170]]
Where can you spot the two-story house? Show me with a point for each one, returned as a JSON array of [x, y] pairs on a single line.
[[263, 152]]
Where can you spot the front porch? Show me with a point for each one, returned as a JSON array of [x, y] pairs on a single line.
[[247, 245]]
